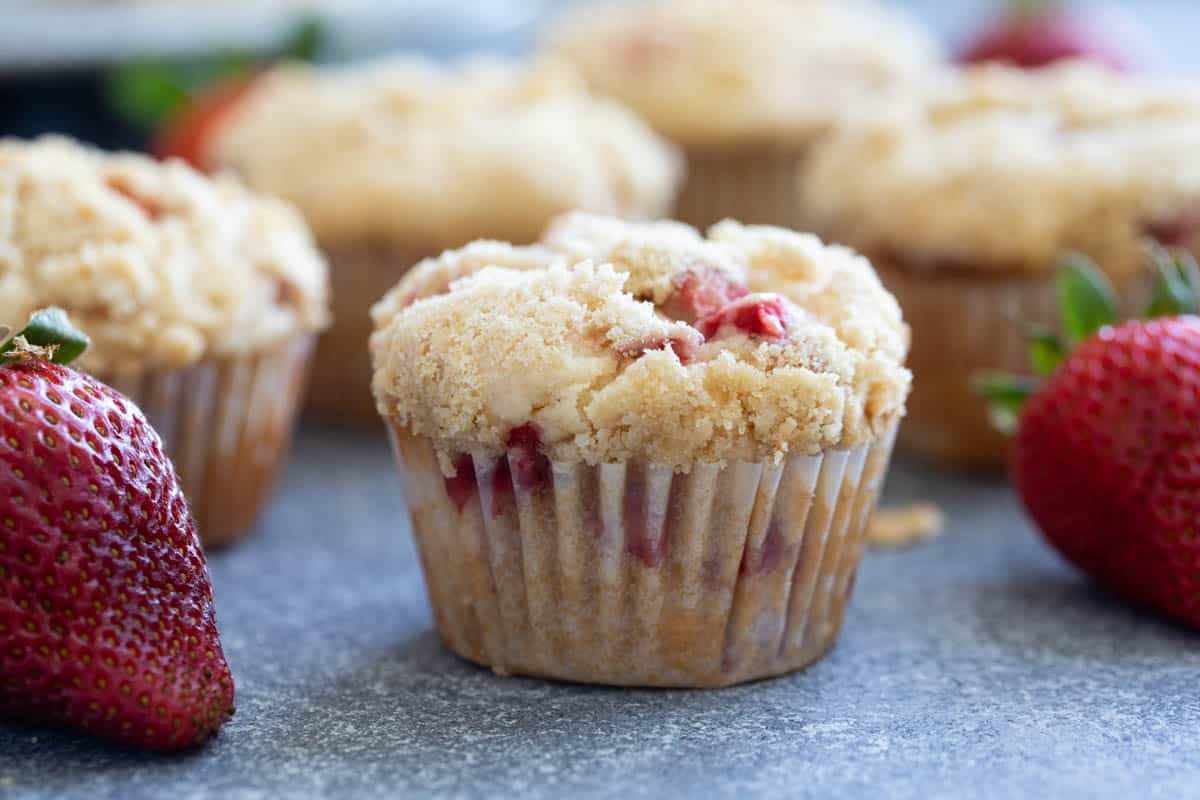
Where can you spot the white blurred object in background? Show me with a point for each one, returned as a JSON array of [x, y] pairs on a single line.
[[42, 34]]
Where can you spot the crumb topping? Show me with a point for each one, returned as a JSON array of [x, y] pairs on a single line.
[[407, 149], [615, 340], [1004, 169], [158, 264], [904, 526], [718, 73]]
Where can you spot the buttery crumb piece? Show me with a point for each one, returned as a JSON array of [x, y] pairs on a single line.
[[904, 526]]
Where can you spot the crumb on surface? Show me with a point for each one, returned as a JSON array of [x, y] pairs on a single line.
[[904, 526]]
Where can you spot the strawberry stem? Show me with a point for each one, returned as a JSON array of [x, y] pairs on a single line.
[[1046, 350], [1005, 396], [1086, 300], [1177, 289], [49, 328], [1027, 9]]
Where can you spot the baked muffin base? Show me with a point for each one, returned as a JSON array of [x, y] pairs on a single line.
[[756, 188], [226, 424], [632, 575], [360, 274]]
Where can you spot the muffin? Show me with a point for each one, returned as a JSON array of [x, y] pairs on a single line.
[[636, 456], [744, 88], [201, 299], [399, 160], [966, 200]]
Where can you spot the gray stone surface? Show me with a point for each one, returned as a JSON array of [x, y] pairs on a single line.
[[973, 665]]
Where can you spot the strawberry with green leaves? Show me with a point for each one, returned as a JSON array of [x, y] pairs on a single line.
[[1106, 450], [106, 607]]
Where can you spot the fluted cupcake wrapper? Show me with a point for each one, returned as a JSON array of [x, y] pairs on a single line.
[[964, 322], [632, 574], [226, 423], [360, 274], [761, 188]]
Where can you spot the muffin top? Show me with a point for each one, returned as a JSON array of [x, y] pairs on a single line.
[[615, 340], [404, 150], [160, 265], [1004, 169], [714, 73]]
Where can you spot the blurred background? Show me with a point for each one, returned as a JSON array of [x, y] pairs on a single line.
[[110, 71]]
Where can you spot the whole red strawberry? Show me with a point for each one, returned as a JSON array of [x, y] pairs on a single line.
[[1106, 456], [106, 608], [1037, 33]]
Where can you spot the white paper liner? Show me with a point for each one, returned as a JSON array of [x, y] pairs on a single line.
[[633, 575], [226, 423], [360, 273], [754, 188]]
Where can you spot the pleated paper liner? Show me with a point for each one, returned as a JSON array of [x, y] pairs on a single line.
[[360, 273], [634, 575], [226, 423], [758, 188], [964, 322]]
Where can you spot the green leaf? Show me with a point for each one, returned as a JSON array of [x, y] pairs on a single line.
[[1031, 8], [50, 327], [1005, 395], [307, 41], [1046, 351], [1086, 300], [1177, 286], [146, 93]]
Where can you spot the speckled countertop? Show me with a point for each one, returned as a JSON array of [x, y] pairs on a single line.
[[974, 665]]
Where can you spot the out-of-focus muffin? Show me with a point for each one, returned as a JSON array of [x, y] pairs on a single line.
[[201, 299], [966, 197], [745, 88], [396, 161]]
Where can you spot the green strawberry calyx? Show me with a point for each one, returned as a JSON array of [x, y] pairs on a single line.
[[49, 336], [1086, 304], [1031, 9]]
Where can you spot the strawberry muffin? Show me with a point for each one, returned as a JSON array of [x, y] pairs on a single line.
[[745, 88], [636, 456], [967, 198], [399, 160], [201, 299]]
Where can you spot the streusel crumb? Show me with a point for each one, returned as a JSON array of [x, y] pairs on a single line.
[[720, 73], [160, 265], [904, 526], [616, 340], [407, 150], [996, 168]]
